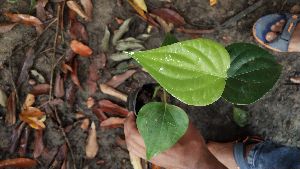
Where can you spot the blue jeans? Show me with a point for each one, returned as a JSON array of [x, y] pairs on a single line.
[[268, 155]]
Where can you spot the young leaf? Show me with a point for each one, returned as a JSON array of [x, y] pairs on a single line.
[[253, 72], [193, 71], [240, 117], [161, 125]]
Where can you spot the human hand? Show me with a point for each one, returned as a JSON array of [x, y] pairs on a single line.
[[190, 152]]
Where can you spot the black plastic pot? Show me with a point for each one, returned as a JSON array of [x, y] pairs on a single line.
[[143, 95]]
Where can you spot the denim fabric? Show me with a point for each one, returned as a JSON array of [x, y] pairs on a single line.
[[267, 155]]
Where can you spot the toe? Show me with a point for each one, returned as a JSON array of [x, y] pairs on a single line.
[[271, 36]]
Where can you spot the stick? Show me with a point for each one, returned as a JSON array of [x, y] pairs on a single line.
[[242, 14], [54, 50]]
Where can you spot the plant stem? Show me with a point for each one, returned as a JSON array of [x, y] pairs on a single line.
[[164, 96]]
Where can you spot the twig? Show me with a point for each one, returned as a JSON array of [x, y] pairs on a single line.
[[13, 82], [54, 50], [242, 14], [65, 137]]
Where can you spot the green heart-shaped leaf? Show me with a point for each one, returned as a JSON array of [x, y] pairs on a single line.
[[253, 72], [193, 71], [161, 126]]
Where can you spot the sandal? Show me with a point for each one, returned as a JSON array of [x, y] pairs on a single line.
[[239, 150], [278, 32]]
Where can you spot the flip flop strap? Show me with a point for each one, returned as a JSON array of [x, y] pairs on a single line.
[[290, 27], [238, 152]]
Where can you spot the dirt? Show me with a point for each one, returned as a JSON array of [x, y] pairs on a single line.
[[275, 117]]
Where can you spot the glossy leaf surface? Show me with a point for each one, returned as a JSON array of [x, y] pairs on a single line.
[[161, 125], [193, 71]]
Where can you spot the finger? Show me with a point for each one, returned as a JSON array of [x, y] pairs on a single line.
[[131, 131]]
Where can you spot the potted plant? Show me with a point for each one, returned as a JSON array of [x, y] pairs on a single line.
[[198, 72]]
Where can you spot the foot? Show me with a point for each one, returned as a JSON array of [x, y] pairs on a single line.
[[224, 153]]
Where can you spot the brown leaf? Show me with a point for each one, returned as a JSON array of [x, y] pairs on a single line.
[[65, 68], [119, 79], [70, 94], [40, 89], [91, 148], [24, 142], [74, 75], [16, 137], [194, 31], [7, 27], [78, 32], [26, 20], [38, 143], [34, 117], [109, 107], [93, 72], [155, 166], [18, 163], [29, 101], [40, 9], [100, 114], [80, 48], [77, 8], [169, 16], [28, 62], [140, 7], [70, 55], [10, 117], [167, 27], [135, 161], [113, 122], [59, 89], [113, 92], [85, 124], [90, 102], [88, 8], [99, 61], [92, 87]]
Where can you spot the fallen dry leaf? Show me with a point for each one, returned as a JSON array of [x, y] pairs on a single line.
[[85, 124], [213, 2], [79, 115], [80, 48], [38, 76], [167, 27], [26, 20], [135, 161], [113, 122], [74, 75], [3, 98], [113, 92], [105, 40], [155, 166], [29, 101], [88, 8], [91, 148], [170, 16], [7, 27], [34, 117], [18, 163], [65, 68], [70, 94], [90, 102], [77, 8], [17, 132], [140, 7], [295, 80], [194, 31], [78, 32], [59, 89], [40, 9], [10, 117], [109, 107], [38, 143], [28, 62], [121, 31], [40, 89], [119, 79], [100, 114], [24, 142]]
